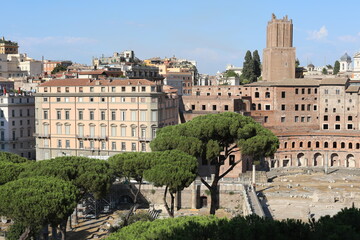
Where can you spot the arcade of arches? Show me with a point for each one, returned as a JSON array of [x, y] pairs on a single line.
[[316, 152]]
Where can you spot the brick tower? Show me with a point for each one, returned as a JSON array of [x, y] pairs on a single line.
[[279, 54]]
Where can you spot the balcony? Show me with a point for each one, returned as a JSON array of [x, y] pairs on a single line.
[[145, 139], [41, 135]]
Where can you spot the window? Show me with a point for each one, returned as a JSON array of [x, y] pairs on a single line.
[[309, 107], [326, 109], [67, 115], [342, 145], [143, 89], [349, 118], [302, 107], [91, 99], [326, 144], [58, 89], [296, 107], [58, 129], [133, 147], [325, 126], [80, 99], [334, 109], [123, 99], [283, 94], [103, 131], [326, 117], [349, 126], [92, 144], [293, 145], [334, 145], [122, 115], [92, 130], [214, 107], [59, 144], [102, 89], [283, 107], [285, 144], [266, 119], [154, 116], [103, 145], [81, 130], [337, 126], [113, 131], [80, 89], [309, 90], [301, 144], [45, 99], [226, 107], [13, 113], [91, 115], [350, 145], [282, 119], [81, 115], [91, 89], [102, 115], [267, 107], [123, 131], [337, 118], [143, 133], [102, 99], [259, 106], [302, 119], [309, 144], [113, 115], [46, 113], [143, 116], [326, 91], [337, 91], [133, 89], [67, 143], [81, 144], [153, 132], [317, 144], [113, 146], [143, 147], [296, 118], [133, 131], [267, 95], [257, 95], [123, 146], [67, 129], [315, 107], [203, 107], [296, 91]]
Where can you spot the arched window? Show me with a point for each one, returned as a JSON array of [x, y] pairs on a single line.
[[317, 144], [293, 145], [350, 145], [259, 106], [309, 144], [285, 144], [337, 118], [357, 145], [326, 144], [342, 145], [301, 144], [334, 145]]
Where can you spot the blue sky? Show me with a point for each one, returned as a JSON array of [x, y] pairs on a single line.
[[214, 33]]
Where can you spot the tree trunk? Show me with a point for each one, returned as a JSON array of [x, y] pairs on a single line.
[[165, 203], [172, 203], [63, 229], [54, 232], [138, 191], [214, 198], [46, 232], [25, 234]]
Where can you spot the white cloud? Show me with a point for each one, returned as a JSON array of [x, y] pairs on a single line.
[[322, 33]]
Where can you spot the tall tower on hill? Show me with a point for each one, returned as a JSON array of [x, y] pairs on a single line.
[[279, 54]]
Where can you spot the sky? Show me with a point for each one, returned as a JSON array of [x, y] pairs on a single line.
[[213, 33]]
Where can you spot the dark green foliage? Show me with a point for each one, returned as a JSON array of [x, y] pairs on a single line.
[[58, 68], [344, 225], [10, 171], [297, 63], [173, 169], [208, 228], [257, 64], [34, 202], [336, 67], [11, 157], [16, 230], [88, 175], [249, 69], [230, 73], [324, 71], [208, 136]]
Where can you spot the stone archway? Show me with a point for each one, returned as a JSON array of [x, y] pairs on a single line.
[[350, 161], [301, 161], [334, 160], [318, 159]]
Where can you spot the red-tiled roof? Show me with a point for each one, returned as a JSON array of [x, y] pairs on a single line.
[[89, 82]]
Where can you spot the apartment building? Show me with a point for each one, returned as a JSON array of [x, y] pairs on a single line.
[[85, 117], [17, 117]]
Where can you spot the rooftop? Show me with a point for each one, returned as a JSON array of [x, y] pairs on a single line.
[[91, 82]]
